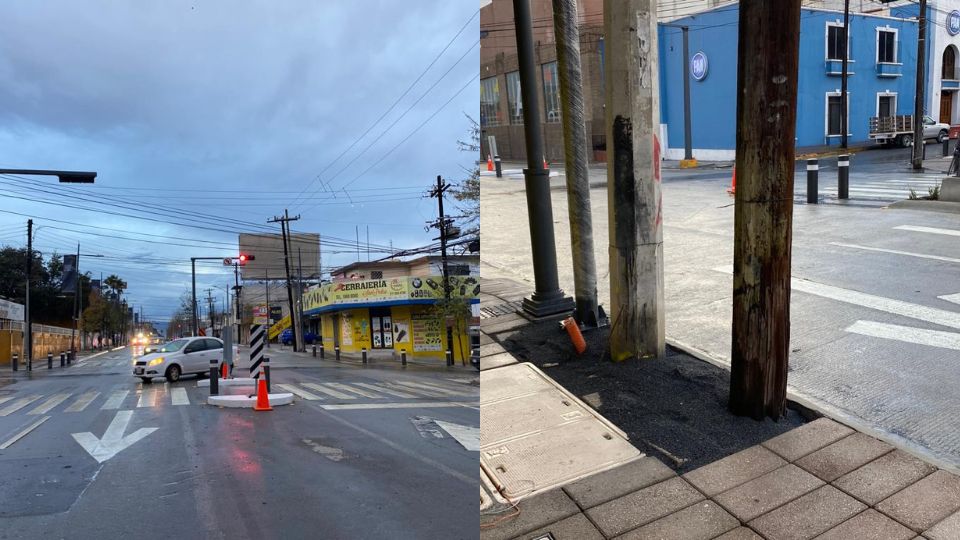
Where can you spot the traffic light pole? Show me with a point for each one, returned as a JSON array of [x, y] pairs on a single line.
[[193, 279]]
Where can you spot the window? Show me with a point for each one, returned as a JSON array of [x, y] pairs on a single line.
[[376, 274], [836, 45], [489, 102], [514, 102], [886, 105], [211, 344], [949, 63], [833, 115], [551, 92], [886, 46]]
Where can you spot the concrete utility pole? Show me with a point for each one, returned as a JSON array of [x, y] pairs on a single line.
[[284, 229], [575, 153], [547, 298], [767, 61], [917, 160], [633, 180]]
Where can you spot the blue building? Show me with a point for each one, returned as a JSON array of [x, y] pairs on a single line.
[[880, 82]]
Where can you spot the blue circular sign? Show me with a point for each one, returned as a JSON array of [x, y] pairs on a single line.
[[953, 23], [698, 65]]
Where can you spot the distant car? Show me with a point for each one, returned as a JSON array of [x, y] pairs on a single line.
[[180, 357], [286, 337]]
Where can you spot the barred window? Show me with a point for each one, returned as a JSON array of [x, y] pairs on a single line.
[[514, 101], [551, 92], [489, 102]]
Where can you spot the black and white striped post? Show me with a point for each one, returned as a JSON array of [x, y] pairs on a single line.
[[257, 334], [843, 176], [63, 358], [813, 169], [214, 377]]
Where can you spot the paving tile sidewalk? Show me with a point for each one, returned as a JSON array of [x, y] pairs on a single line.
[[821, 480]]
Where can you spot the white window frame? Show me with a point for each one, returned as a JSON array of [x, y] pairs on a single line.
[[887, 93], [826, 41], [896, 45], [826, 114]]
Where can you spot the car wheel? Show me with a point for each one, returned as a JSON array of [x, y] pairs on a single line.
[[146, 380], [942, 136], [173, 373], [906, 141]]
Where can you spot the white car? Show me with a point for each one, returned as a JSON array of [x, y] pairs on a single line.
[[180, 357]]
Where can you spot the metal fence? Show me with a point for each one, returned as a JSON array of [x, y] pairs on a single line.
[[46, 339]]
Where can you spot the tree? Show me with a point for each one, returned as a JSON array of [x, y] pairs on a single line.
[[467, 191]]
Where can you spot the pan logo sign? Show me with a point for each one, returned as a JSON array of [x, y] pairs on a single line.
[[953, 23], [698, 65]]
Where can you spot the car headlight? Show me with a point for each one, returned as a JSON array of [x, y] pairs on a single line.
[[155, 361]]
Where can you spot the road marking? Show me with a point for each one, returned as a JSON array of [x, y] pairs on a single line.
[[148, 398], [81, 403], [420, 391], [327, 391], [907, 334], [179, 396], [348, 388], [468, 436], [897, 252], [18, 404], [299, 391], [115, 399], [45, 407], [5, 399], [433, 388], [113, 440], [442, 387], [394, 393], [425, 405], [897, 307], [931, 230], [426, 427], [955, 298], [23, 433]]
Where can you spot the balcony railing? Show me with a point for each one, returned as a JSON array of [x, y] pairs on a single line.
[[886, 69]]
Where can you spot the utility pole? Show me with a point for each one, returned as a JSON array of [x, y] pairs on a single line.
[[547, 299], [575, 152], [917, 160], [442, 227], [284, 228], [210, 309], [193, 278], [76, 296], [266, 289], [28, 323], [843, 76], [767, 72], [634, 197], [300, 287]]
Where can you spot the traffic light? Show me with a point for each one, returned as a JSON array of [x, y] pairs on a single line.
[[244, 258]]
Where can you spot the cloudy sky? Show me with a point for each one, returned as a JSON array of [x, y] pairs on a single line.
[[206, 118]]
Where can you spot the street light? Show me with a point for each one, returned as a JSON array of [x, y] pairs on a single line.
[[65, 177]]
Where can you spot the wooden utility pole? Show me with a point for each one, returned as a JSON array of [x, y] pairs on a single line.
[[767, 60], [633, 180], [917, 156], [285, 232]]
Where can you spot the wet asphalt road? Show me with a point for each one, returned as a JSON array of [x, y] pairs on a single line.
[[300, 471]]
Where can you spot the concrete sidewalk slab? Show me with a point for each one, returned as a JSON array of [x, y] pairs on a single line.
[[608, 485], [883, 477], [734, 470], [644, 506], [806, 439], [810, 515], [926, 503], [774, 489], [843, 456], [701, 521], [869, 524]]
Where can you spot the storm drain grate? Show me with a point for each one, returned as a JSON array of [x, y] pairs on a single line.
[[488, 312]]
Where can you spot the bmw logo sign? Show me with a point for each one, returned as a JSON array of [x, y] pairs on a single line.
[[953, 23], [698, 65]]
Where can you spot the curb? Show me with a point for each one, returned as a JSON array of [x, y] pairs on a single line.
[[804, 401], [247, 402]]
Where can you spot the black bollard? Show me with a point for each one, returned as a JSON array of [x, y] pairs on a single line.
[[496, 163], [321, 351], [843, 176], [314, 351], [363, 353], [15, 362], [71, 355], [403, 357], [266, 371], [214, 377], [49, 360], [449, 358], [946, 147], [812, 171], [63, 358], [336, 351]]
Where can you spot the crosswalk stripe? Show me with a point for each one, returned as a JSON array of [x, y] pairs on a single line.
[[433, 388], [82, 401], [404, 405], [932, 230], [395, 393], [148, 398], [348, 388], [49, 404], [328, 391], [179, 396], [439, 386], [5, 399], [299, 391], [421, 392], [115, 399], [18, 404]]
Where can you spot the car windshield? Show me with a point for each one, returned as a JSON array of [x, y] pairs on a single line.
[[173, 346]]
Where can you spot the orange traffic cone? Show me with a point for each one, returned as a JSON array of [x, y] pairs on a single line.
[[223, 370], [575, 336], [733, 182], [263, 400], [489, 162], [545, 164]]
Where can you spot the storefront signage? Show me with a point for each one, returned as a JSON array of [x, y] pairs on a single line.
[[698, 66], [953, 23], [427, 335], [397, 290], [9, 310], [260, 314]]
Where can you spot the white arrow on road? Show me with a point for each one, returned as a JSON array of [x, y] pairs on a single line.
[[907, 334], [113, 440]]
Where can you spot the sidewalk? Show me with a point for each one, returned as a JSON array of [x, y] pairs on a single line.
[[286, 357], [785, 480]]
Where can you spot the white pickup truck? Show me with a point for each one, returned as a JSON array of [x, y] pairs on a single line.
[[899, 130]]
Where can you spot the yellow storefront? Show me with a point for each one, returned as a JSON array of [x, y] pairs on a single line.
[[395, 314]]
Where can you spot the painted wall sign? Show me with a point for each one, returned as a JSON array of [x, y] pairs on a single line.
[[953, 23], [389, 290], [426, 332], [698, 65]]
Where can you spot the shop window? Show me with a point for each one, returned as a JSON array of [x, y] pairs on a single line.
[[551, 92], [514, 101]]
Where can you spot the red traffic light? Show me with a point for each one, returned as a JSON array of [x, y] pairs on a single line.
[[244, 258]]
